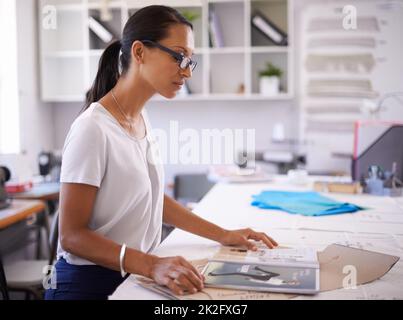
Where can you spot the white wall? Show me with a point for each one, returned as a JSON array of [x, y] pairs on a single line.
[[234, 114], [258, 115], [387, 75], [44, 126], [36, 118], [62, 117]]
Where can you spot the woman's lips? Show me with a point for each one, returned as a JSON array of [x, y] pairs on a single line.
[[178, 84]]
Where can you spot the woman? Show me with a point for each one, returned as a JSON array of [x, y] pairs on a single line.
[[112, 204]]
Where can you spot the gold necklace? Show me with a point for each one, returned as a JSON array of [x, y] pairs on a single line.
[[131, 128], [121, 111]]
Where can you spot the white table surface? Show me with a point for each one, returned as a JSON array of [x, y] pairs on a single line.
[[379, 228]]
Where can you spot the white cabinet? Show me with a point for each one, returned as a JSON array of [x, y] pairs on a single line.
[[69, 51]]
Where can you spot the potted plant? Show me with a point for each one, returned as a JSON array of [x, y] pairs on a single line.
[[191, 16], [269, 80]]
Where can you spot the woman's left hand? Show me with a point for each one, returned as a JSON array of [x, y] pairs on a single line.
[[241, 238]]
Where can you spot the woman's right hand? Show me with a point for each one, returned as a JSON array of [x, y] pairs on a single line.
[[177, 274]]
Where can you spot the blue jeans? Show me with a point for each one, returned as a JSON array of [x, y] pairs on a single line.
[[88, 282]]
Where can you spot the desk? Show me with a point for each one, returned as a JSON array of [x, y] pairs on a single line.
[[41, 191], [378, 229], [48, 192], [18, 211]]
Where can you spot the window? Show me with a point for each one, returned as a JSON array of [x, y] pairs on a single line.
[[9, 108]]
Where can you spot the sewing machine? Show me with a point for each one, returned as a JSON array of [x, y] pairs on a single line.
[[4, 176], [50, 166]]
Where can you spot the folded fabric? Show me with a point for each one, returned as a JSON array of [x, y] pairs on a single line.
[[305, 203]]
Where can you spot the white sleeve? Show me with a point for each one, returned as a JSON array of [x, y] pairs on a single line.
[[84, 154]]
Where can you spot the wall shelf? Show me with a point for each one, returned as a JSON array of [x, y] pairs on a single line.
[[226, 97], [70, 53]]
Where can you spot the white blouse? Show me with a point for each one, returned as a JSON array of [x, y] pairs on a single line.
[[128, 173]]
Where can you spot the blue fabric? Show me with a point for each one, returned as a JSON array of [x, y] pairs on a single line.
[[305, 203], [88, 282]]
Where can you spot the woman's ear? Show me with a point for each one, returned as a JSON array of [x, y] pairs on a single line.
[[138, 52]]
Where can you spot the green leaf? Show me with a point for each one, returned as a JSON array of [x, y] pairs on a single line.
[[271, 71], [190, 15]]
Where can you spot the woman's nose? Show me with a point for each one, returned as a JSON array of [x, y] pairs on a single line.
[[187, 73]]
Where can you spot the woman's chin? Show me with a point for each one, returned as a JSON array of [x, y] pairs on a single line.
[[169, 94]]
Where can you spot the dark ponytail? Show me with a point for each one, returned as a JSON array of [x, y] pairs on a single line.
[[107, 75], [149, 23]]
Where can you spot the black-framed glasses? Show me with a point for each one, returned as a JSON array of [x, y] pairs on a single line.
[[183, 61]]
